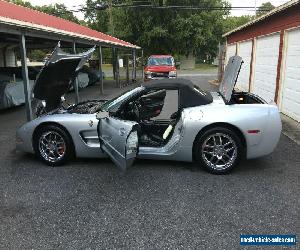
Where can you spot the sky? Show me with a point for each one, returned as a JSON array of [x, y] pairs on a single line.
[[235, 3]]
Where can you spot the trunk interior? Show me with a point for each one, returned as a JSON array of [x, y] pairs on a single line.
[[245, 98]]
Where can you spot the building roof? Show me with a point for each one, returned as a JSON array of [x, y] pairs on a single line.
[[15, 15], [263, 17]]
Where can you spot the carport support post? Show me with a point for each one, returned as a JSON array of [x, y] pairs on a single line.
[[75, 84], [142, 60], [134, 65], [100, 69], [117, 70], [27, 91], [113, 56], [127, 69]]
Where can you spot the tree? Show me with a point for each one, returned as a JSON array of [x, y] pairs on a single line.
[[59, 10], [264, 8], [22, 3], [232, 22], [163, 30]]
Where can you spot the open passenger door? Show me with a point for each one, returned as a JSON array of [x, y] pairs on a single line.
[[119, 139]]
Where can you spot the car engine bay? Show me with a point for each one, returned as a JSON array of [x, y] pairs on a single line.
[[87, 107]]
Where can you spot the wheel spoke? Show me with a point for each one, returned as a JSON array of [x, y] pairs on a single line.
[[220, 138], [229, 149], [229, 157], [207, 152], [214, 139]]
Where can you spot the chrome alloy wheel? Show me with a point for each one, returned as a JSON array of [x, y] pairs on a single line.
[[52, 146], [219, 151]]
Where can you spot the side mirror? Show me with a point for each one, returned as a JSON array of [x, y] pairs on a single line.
[[102, 114]]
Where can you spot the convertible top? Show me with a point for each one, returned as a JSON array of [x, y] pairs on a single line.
[[189, 94]]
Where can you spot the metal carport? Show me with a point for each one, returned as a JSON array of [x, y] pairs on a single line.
[[27, 28]]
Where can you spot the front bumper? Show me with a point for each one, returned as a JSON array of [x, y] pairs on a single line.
[[24, 140], [157, 76]]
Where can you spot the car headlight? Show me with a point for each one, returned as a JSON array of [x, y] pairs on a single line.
[[132, 142], [147, 72], [172, 73]]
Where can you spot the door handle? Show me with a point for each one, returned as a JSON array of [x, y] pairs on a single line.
[[122, 131]]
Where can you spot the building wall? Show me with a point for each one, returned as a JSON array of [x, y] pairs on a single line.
[[10, 58], [7, 58], [285, 77], [284, 20]]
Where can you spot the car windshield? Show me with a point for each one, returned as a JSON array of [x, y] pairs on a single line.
[[157, 61], [116, 102]]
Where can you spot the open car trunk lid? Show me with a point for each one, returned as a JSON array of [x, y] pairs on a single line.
[[231, 74], [58, 73]]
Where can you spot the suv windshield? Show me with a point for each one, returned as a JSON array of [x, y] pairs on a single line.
[[156, 61], [116, 102]]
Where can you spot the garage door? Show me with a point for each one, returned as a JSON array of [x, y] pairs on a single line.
[[265, 70], [231, 50], [245, 50], [290, 102]]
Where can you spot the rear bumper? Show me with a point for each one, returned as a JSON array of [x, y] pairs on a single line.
[[270, 137]]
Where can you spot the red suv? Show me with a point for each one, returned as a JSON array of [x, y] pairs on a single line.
[[160, 66]]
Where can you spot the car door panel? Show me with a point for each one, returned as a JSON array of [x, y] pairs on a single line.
[[114, 135]]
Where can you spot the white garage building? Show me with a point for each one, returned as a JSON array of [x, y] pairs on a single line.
[[270, 48]]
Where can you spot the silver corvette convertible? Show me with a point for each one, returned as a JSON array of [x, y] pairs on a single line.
[[214, 129]]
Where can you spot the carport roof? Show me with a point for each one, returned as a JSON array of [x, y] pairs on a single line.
[[22, 17]]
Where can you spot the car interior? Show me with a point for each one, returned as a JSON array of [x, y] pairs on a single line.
[[156, 120]]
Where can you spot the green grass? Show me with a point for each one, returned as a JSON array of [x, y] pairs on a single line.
[[110, 67], [205, 66]]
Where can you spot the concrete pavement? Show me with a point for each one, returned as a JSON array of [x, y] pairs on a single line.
[[291, 128]]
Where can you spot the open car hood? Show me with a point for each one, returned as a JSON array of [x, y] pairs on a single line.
[[231, 74], [58, 73]]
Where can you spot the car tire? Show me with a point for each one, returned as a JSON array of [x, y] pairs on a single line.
[[53, 145], [218, 150]]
